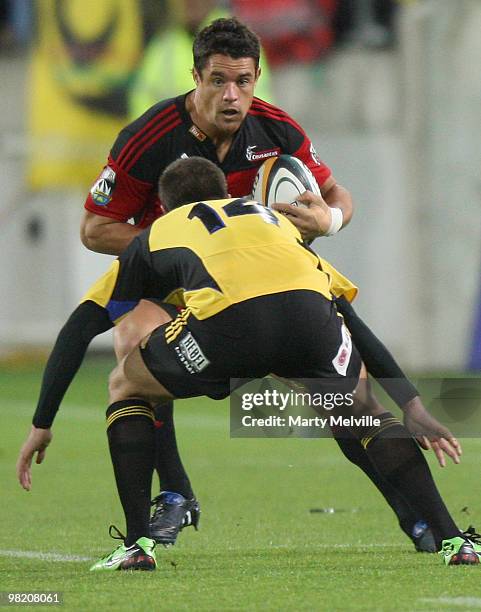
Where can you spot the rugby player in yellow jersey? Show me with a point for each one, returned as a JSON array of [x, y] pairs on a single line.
[[253, 301], [223, 121]]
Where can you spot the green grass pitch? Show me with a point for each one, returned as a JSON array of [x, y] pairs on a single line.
[[258, 548]]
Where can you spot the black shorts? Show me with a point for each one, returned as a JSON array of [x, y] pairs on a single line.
[[295, 334]]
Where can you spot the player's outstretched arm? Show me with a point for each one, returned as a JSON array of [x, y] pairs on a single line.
[[36, 442], [378, 360], [381, 364], [87, 321], [430, 433]]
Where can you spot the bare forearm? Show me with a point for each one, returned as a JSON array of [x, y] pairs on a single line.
[[104, 235], [338, 196]]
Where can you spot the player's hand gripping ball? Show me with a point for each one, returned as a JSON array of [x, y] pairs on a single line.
[[283, 179]]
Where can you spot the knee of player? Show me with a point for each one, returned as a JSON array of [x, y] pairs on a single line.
[[126, 338], [116, 384]]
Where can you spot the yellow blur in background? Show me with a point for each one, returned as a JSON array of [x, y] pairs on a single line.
[[82, 63]]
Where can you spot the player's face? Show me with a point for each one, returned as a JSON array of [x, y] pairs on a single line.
[[224, 92]]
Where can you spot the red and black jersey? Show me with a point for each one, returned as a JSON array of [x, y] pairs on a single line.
[[127, 186]]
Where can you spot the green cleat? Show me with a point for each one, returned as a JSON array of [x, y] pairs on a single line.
[[460, 551], [139, 556]]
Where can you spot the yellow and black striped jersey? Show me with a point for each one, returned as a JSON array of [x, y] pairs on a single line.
[[209, 255]]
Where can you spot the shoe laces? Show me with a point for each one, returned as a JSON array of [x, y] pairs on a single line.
[[160, 507], [115, 533], [161, 503], [471, 534], [157, 500]]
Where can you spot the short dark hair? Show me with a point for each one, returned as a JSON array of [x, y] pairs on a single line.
[[189, 180], [227, 37]]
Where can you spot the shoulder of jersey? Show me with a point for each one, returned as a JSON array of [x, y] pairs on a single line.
[[269, 111], [283, 179], [135, 139]]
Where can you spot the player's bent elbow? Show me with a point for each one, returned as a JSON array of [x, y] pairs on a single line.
[[88, 236], [94, 232]]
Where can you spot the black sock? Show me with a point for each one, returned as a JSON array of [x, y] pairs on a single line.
[[130, 431], [171, 472], [400, 461], [353, 450]]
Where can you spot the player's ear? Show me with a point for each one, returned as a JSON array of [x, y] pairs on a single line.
[[258, 73], [195, 76]]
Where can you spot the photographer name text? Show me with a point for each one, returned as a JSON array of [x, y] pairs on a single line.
[[299, 421]]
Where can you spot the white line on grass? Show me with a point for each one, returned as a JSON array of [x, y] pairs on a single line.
[[462, 602], [59, 557], [43, 556]]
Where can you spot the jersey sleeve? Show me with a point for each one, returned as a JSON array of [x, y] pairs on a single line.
[[339, 285], [86, 322], [290, 137], [301, 146], [307, 154], [378, 360], [118, 195]]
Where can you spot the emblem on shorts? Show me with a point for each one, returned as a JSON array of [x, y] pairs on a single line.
[[103, 187], [343, 357], [190, 354], [254, 156]]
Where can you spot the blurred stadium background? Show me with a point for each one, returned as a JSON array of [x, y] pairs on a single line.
[[390, 93]]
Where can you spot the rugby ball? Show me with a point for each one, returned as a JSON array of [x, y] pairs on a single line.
[[283, 179]]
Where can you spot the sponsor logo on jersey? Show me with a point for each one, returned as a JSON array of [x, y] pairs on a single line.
[[315, 157], [103, 187], [194, 130], [254, 156], [190, 354]]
